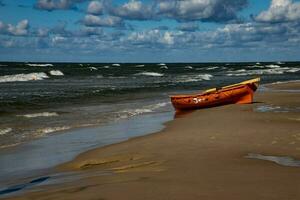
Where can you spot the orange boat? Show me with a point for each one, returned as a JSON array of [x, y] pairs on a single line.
[[240, 93]]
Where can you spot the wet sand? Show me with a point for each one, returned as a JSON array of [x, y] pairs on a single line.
[[200, 155]]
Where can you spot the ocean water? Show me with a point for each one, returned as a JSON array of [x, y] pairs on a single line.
[[40, 99]]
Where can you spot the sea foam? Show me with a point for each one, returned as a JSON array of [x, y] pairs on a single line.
[[164, 67], [56, 73], [23, 77], [145, 109], [273, 66], [44, 131], [5, 131], [188, 67], [40, 65], [93, 68], [150, 74], [43, 114], [212, 68], [140, 66], [272, 70], [193, 78]]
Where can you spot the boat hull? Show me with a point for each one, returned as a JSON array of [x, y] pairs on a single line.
[[241, 94]]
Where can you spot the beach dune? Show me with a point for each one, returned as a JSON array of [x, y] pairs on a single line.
[[231, 152]]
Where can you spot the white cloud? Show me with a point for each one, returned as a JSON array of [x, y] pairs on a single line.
[[95, 8], [280, 11], [108, 21], [152, 37], [167, 38], [21, 29], [50, 5], [205, 10], [133, 10]]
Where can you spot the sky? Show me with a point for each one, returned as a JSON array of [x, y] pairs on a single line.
[[149, 30]]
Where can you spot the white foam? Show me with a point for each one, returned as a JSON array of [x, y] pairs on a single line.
[[43, 114], [116, 65], [56, 73], [44, 131], [93, 68], [139, 111], [206, 77], [130, 113], [258, 63], [272, 70], [164, 67], [23, 77], [40, 65], [150, 74], [140, 66], [5, 131], [106, 66], [192, 78], [211, 68], [281, 82], [292, 70], [273, 66], [188, 67], [256, 66], [161, 64], [241, 70]]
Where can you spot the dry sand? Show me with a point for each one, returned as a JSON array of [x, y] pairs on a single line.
[[200, 155]]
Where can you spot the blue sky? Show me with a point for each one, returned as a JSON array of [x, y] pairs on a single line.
[[149, 31]]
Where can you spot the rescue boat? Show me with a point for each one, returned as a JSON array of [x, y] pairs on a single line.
[[240, 93]]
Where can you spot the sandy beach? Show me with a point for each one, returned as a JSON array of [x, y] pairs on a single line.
[[207, 154]]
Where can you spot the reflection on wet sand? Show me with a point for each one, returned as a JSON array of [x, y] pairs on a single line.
[[281, 160]]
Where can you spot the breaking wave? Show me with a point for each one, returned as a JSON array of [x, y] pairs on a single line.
[[44, 131], [5, 131], [43, 114], [150, 74], [23, 77], [116, 65], [146, 109], [193, 78], [273, 70], [273, 66], [56, 73], [93, 68], [40, 65], [212, 68], [188, 67]]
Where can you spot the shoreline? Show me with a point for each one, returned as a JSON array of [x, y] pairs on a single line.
[[207, 155], [39, 157]]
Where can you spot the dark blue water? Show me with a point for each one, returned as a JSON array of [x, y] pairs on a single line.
[[38, 99]]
